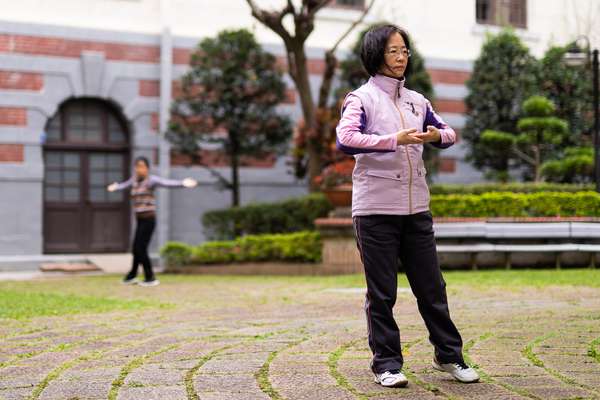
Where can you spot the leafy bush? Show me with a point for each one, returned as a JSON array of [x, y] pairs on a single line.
[[518, 187], [299, 247], [506, 204], [292, 215], [177, 253]]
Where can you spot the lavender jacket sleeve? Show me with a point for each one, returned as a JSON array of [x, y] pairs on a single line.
[[126, 184], [448, 136], [351, 137], [164, 182]]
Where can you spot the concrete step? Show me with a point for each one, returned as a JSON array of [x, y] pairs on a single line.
[[110, 263]]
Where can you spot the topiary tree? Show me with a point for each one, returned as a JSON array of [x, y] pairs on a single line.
[[229, 99], [570, 89], [575, 166], [540, 137], [503, 76]]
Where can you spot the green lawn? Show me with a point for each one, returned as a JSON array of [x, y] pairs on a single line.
[[20, 304], [97, 294]]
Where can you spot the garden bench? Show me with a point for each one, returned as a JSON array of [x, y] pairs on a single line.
[[558, 248]]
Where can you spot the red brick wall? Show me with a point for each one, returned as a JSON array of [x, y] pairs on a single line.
[[53, 46], [216, 158], [15, 80], [447, 164], [11, 153], [448, 76], [149, 88], [450, 106], [13, 116]]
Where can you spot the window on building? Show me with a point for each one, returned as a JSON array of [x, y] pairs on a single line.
[[502, 12]]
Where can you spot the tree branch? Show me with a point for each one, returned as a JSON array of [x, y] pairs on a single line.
[[274, 19], [331, 59], [524, 156], [354, 25]]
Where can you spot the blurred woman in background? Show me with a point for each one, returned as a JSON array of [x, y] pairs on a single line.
[[142, 186]]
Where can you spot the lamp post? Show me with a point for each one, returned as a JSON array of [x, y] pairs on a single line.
[[576, 55]]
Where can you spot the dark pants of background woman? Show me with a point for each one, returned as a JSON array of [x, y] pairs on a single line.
[[143, 234], [382, 240]]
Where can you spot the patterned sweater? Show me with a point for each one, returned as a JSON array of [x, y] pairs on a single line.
[[142, 193]]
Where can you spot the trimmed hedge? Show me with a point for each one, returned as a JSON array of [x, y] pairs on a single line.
[[517, 187], [506, 204], [298, 247], [292, 215]]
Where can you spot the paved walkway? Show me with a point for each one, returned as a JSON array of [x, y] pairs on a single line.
[[264, 339]]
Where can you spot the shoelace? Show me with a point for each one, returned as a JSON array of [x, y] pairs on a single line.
[[389, 375], [461, 365]]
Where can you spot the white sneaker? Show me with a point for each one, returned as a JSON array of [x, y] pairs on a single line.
[[391, 379], [460, 371], [131, 281], [154, 282]]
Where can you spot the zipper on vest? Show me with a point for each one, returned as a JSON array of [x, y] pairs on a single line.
[[410, 176]]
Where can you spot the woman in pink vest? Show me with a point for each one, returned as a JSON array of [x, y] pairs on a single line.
[[385, 126]]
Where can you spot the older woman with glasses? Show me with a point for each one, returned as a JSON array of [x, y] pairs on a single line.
[[385, 126]]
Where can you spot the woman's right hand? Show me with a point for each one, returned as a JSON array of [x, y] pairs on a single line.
[[112, 187], [404, 137]]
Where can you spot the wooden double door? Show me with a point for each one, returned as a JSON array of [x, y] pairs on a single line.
[[80, 215], [84, 152]]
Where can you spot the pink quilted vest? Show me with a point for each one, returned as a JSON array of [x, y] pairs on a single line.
[[393, 182]]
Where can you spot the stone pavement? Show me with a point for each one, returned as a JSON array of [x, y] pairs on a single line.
[[264, 339]]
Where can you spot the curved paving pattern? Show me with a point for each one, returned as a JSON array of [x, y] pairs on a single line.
[[265, 340]]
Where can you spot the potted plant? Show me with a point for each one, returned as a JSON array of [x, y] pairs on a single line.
[[336, 182]]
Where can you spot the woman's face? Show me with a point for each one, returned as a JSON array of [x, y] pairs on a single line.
[[141, 169], [395, 57]]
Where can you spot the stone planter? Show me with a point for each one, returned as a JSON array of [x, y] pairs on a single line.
[[340, 196]]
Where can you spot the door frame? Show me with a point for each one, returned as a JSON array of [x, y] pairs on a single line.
[[84, 150]]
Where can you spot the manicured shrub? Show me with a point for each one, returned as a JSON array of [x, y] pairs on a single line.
[[289, 247], [176, 253], [507, 204], [517, 187], [292, 215]]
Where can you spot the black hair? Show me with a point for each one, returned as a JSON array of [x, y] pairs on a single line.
[[373, 47], [142, 159]]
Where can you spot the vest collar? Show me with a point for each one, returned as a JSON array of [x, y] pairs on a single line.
[[391, 86]]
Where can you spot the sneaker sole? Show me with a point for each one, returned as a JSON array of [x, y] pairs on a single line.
[[396, 385], [439, 368]]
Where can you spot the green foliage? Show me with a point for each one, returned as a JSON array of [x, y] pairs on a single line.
[[234, 86], [539, 139], [515, 187], [25, 304], [507, 204], [576, 165], [503, 76], [179, 253], [302, 246], [290, 215], [570, 89]]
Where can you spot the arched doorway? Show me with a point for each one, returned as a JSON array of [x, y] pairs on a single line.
[[86, 148]]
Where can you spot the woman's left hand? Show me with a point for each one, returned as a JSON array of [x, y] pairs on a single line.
[[432, 134], [189, 182]]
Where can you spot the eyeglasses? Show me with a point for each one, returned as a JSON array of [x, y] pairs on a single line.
[[395, 52]]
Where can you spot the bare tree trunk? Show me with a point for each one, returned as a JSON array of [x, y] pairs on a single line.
[[235, 181], [537, 164], [298, 69]]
